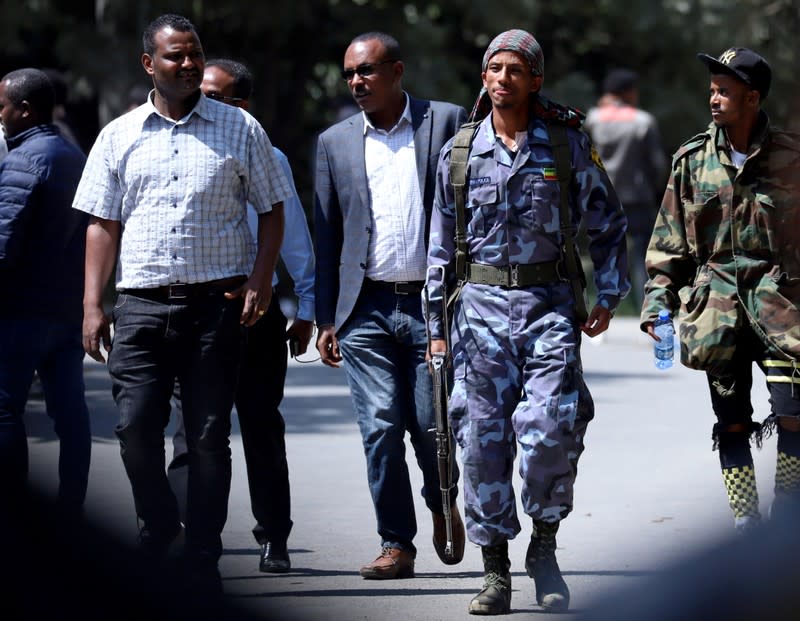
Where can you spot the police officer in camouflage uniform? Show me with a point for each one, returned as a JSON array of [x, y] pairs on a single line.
[[516, 345], [725, 253]]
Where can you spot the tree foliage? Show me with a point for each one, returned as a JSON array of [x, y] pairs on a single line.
[[295, 50]]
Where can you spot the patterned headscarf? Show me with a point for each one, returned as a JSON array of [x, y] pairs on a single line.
[[524, 44]]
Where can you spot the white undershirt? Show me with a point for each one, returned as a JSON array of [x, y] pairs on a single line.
[[737, 158]]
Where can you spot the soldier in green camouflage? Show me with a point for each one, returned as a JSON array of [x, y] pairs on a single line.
[[725, 253]]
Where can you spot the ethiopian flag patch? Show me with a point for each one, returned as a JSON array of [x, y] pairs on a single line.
[[550, 174]]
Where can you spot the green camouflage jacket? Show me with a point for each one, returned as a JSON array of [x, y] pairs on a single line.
[[726, 247]]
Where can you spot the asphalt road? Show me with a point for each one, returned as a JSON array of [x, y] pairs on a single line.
[[649, 494]]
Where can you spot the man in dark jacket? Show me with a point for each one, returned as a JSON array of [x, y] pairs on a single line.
[[42, 241], [374, 181]]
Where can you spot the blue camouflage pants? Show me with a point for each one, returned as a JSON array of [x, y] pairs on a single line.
[[517, 378]]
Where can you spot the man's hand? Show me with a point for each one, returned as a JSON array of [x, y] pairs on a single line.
[[438, 346], [257, 297], [301, 330], [96, 331], [597, 322], [328, 346], [651, 331]]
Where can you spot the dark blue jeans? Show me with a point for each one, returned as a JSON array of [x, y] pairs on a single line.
[[198, 342], [53, 349], [383, 346]]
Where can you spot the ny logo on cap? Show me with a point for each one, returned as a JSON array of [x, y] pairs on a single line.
[[726, 57]]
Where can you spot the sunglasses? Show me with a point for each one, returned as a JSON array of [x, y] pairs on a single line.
[[364, 70], [224, 98]]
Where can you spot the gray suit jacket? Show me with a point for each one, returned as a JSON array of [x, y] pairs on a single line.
[[342, 222]]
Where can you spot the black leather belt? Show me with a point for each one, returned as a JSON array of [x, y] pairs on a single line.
[[181, 291], [513, 276], [403, 287]]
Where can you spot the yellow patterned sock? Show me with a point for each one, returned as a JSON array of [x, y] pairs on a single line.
[[787, 474], [740, 483]]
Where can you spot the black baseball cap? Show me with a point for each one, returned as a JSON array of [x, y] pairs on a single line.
[[744, 64]]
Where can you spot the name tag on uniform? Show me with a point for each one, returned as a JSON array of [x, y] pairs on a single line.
[[478, 181]]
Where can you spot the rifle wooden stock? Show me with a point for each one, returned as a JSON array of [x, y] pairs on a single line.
[[444, 448]]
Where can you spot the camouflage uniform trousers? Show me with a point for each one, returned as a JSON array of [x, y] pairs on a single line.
[[517, 377]]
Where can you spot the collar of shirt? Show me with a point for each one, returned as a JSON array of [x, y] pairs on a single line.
[[406, 116], [203, 108], [486, 138]]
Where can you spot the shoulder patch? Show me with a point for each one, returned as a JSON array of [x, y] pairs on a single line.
[[597, 159], [691, 145]]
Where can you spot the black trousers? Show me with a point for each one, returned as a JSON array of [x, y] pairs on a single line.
[[199, 343], [730, 396], [258, 396]]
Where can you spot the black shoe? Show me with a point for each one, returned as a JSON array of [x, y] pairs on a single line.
[[274, 558]]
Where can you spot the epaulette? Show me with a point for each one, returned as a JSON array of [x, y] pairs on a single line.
[[693, 144]]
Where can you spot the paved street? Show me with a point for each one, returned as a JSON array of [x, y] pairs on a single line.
[[649, 492]]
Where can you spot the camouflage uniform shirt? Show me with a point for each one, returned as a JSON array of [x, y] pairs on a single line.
[[512, 207], [725, 246]]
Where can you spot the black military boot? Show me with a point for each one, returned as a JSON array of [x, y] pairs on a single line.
[[495, 598], [552, 593]]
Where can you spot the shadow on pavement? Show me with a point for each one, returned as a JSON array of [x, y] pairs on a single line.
[[742, 578], [56, 570]]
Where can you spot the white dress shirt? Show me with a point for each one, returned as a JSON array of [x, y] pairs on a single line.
[[397, 241]]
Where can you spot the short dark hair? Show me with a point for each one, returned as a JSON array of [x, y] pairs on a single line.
[[388, 41], [33, 86], [620, 81], [242, 78], [170, 20]]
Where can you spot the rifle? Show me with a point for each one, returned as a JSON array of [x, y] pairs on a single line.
[[437, 365]]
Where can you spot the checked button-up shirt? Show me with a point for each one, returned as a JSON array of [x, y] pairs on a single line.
[[180, 190]]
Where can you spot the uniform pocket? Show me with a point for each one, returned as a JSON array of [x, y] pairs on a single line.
[[539, 210], [703, 214], [707, 324], [483, 206]]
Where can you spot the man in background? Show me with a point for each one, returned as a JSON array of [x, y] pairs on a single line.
[[628, 141]]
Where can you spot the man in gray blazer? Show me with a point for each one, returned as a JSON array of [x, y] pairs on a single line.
[[374, 188]]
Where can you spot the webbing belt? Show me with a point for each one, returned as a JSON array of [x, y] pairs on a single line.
[[513, 276]]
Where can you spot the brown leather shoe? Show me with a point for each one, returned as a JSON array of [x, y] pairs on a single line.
[[392, 563], [440, 537]]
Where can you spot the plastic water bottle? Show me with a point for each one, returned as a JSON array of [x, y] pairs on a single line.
[[664, 350]]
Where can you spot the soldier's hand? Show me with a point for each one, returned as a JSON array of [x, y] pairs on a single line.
[[597, 322], [651, 331], [438, 346]]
